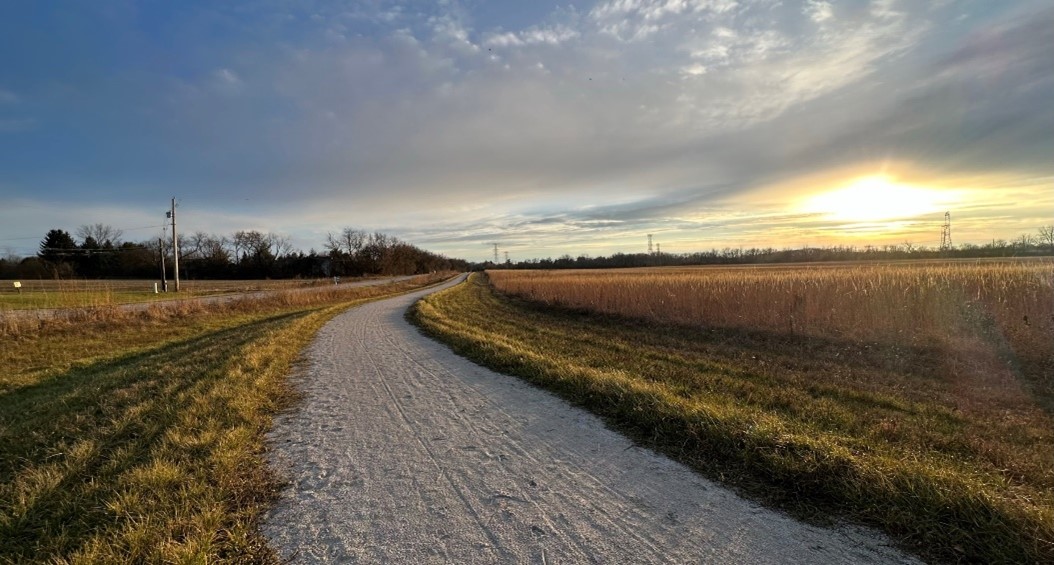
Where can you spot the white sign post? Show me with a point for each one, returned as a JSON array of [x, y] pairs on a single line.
[[18, 287]]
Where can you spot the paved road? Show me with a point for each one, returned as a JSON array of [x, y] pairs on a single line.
[[405, 453]]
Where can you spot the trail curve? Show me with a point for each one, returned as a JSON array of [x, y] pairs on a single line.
[[403, 452]]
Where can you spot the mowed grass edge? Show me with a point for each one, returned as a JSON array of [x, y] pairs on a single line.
[[637, 377], [142, 439]]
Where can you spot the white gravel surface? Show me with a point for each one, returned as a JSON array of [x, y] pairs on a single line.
[[403, 452]]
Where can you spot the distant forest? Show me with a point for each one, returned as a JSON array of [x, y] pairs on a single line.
[[1041, 244], [98, 252]]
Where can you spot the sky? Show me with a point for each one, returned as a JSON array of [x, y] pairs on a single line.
[[548, 127]]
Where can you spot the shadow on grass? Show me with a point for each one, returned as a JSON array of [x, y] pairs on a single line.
[[124, 407]]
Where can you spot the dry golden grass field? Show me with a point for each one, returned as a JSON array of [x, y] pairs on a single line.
[[993, 322], [78, 293], [137, 435], [917, 397]]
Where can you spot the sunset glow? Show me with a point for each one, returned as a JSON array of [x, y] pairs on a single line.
[[875, 199]]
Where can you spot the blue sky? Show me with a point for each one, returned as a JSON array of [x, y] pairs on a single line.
[[552, 127]]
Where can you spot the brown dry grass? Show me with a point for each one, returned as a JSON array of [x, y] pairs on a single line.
[[914, 397], [82, 293], [993, 321], [138, 436], [27, 324]]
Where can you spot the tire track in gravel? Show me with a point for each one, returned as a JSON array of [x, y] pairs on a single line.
[[403, 452]]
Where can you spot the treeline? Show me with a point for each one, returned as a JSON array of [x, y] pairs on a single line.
[[98, 252], [1027, 245]]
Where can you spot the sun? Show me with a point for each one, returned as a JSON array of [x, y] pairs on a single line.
[[875, 199]]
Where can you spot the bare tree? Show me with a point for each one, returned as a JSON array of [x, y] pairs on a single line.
[[201, 245], [191, 246], [258, 244], [242, 242], [280, 245], [101, 233], [254, 243], [1046, 236], [349, 241]]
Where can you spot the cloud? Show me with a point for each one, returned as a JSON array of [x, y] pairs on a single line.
[[981, 106], [226, 81], [622, 117], [549, 35], [818, 10], [635, 20]]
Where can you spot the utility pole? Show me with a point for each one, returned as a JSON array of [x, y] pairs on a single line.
[[175, 244], [161, 252]]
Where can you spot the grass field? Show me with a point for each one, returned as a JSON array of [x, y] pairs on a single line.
[[79, 293], [935, 423], [133, 437]]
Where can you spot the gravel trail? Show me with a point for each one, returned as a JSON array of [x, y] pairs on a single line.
[[403, 452]]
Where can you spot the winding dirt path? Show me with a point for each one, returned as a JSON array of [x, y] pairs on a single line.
[[403, 452]]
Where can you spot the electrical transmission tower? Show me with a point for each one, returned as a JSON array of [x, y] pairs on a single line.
[[506, 256], [650, 248], [495, 251], [946, 232]]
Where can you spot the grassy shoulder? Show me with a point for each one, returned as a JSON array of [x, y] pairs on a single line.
[[817, 427], [35, 300], [52, 294], [142, 439]]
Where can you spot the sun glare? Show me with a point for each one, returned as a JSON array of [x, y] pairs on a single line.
[[876, 199]]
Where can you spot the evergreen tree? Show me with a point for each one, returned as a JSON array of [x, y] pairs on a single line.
[[57, 250], [56, 246]]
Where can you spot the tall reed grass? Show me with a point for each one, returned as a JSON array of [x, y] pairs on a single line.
[[1006, 307], [914, 397]]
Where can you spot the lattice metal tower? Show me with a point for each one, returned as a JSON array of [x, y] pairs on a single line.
[[946, 232], [506, 256], [495, 251], [650, 249]]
